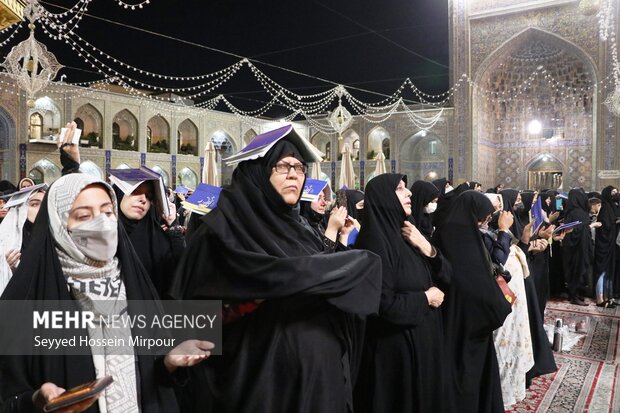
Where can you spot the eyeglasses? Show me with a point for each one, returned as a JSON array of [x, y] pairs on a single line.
[[285, 168]]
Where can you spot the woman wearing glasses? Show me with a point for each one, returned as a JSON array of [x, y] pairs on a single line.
[[293, 310]]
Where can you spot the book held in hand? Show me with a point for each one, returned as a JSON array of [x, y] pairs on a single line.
[[566, 226], [203, 200], [127, 180], [312, 189]]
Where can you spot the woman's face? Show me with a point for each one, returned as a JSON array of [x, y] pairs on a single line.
[[3, 210], [404, 196], [25, 184], [320, 204], [288, 184], [34, 203], [89, 204], [136, 205]]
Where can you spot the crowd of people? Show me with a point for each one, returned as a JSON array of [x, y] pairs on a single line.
[[421, 296]]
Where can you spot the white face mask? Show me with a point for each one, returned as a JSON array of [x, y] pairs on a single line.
[[430, 207], [97, 238], [448, 189]]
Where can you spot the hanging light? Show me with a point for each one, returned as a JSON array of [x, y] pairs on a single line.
[[589, 7], [340, 118], [32, 66]]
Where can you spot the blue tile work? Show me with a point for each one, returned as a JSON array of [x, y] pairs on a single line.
[[22, 160], [393, 166], [202, 163], [108, 162], [142, 159], [173, 169], [450, 169], [361, 175], [333, 174]]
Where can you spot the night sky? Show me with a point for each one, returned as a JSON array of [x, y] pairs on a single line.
[[369, 44]]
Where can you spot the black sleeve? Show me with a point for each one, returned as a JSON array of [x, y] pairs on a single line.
[[179, 378], [69, 166], [441, 270]]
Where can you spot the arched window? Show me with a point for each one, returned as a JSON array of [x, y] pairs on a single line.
[[385, 147], [164, 174], [36, 125], [188, 178], [328, 151], [116, 131], [356, 149], [89, 168]]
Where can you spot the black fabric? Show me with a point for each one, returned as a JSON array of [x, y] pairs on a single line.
[[440, 184], [605, 239], [353, 197], [40, 277], [509, 197], [474, 307], [300, 349], [549, 209], [402, 369], [159, 252], [315, 220], [422, 193], [445, 203], [527, 198], [577, 245]]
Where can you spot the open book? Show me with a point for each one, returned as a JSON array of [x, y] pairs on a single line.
[[261, 144], [203, 200], [566, 226], [21, 196], [312, 189], [537, 215], [127, 180]]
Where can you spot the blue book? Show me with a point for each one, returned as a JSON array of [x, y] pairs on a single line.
[[261, 144], [181, 190], [312, 189], [127, 180], [537, 215], [566, 226], [352, 237], [204, 199]]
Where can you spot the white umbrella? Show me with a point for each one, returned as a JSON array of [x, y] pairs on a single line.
[[315, 170], [347, 173], [380, 167], [210, 173]]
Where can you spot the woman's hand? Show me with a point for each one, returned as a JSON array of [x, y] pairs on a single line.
[[547, 232], [554, 216], [67, 144], [527, 233], [434, 296], [538, 246], [414, 237], [596, 224], [173, 213], [187, 354], [337, 219], [12, 258]]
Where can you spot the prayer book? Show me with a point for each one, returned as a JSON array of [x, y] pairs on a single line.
[[21, 196], [127, 180], [204, 199], [537, 215], [181, 190], [76, 136], [566, 226], [312, 189], [261, 144]]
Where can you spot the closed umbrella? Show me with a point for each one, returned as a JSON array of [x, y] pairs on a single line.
[[210, 173], [347, 173]]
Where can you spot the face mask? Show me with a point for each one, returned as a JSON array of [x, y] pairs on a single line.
[[448, 189], [430, 207], [97, 238], [519, 207]]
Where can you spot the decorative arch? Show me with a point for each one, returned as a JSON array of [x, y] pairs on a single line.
[[188, 178], [248, 137], [8, 147], [163, 173], [44, 170], [225, 146], [187, 138], [497, 126], [91, 124], [159, 141], [125, 131], [323, 143], [51, 117], [378, 139], [421, 154], [90, 168], [544, 171], [348, 137]]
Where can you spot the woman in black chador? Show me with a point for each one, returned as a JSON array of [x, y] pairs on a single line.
[[577, 247], [402, 368], [424, 197], [605, 248], [293, 309], [474, 307]]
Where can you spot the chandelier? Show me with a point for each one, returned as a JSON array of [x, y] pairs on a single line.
[[30, 63], [340, 118]]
